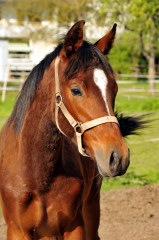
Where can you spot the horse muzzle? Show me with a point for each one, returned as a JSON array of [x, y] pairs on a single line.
[[113, 163]]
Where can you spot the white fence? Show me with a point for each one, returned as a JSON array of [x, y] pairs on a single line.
[[18, 67], [139, 85]]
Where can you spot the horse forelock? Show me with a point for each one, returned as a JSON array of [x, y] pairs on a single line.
[[87, 56]]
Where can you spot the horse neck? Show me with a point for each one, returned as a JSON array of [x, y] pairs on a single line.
[[44, 151], [39, 137]]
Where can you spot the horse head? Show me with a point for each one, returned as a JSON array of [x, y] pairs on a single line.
[[86, 91]]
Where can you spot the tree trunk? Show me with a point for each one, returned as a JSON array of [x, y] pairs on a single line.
[[151, 72], [150, 56]]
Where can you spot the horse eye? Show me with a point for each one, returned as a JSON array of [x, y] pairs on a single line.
[[76, 92]]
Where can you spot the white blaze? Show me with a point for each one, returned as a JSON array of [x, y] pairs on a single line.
[[101, 81]]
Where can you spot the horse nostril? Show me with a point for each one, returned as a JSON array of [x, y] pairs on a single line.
[[114, 161]]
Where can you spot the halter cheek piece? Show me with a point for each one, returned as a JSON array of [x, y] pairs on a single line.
[[79, 127]]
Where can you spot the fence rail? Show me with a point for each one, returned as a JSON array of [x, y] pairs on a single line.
[[138, 76], [135, 82], [18, 69]]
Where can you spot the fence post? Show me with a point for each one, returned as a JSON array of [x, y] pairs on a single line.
[[6, 77]]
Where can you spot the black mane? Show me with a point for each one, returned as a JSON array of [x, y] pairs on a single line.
[[86, 56], [129, 125]]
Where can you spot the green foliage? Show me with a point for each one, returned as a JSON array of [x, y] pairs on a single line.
[[31, 10], [140, 21], [31, 13], [72, 10], [123, 56], [64, 12]]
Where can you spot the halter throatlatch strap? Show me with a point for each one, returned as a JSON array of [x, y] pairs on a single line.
[[79, 128]]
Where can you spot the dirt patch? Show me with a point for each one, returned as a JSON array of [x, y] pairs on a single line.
[[126, 214], [130, 214]]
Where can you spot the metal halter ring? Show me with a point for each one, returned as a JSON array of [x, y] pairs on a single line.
[[78, 127], [58, 99]]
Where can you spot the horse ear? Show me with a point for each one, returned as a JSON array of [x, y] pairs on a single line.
[[73, 39], [106, 42]]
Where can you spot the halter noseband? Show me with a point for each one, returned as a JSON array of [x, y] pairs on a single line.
[[79, 127]]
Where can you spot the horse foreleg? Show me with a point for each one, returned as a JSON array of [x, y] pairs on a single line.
[[91, 216], [91, 219]]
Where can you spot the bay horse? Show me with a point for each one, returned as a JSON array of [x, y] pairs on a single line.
[[61, 139]]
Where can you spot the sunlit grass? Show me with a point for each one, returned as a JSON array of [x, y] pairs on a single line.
[[7, 106], [130, 102]]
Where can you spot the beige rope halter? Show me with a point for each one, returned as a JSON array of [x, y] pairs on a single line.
[[79, 127]]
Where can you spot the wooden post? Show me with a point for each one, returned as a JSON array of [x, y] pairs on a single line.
[[4, 89]]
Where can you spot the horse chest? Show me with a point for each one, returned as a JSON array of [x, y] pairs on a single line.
[[62, 205]]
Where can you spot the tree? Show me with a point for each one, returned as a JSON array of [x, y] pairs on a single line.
[[141, 17]]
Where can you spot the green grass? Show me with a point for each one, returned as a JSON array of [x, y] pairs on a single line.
[[136, 102], [144, 160], [132, 104], [7, 106]]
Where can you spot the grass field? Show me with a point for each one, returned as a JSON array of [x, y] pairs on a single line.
[[144, 149]]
